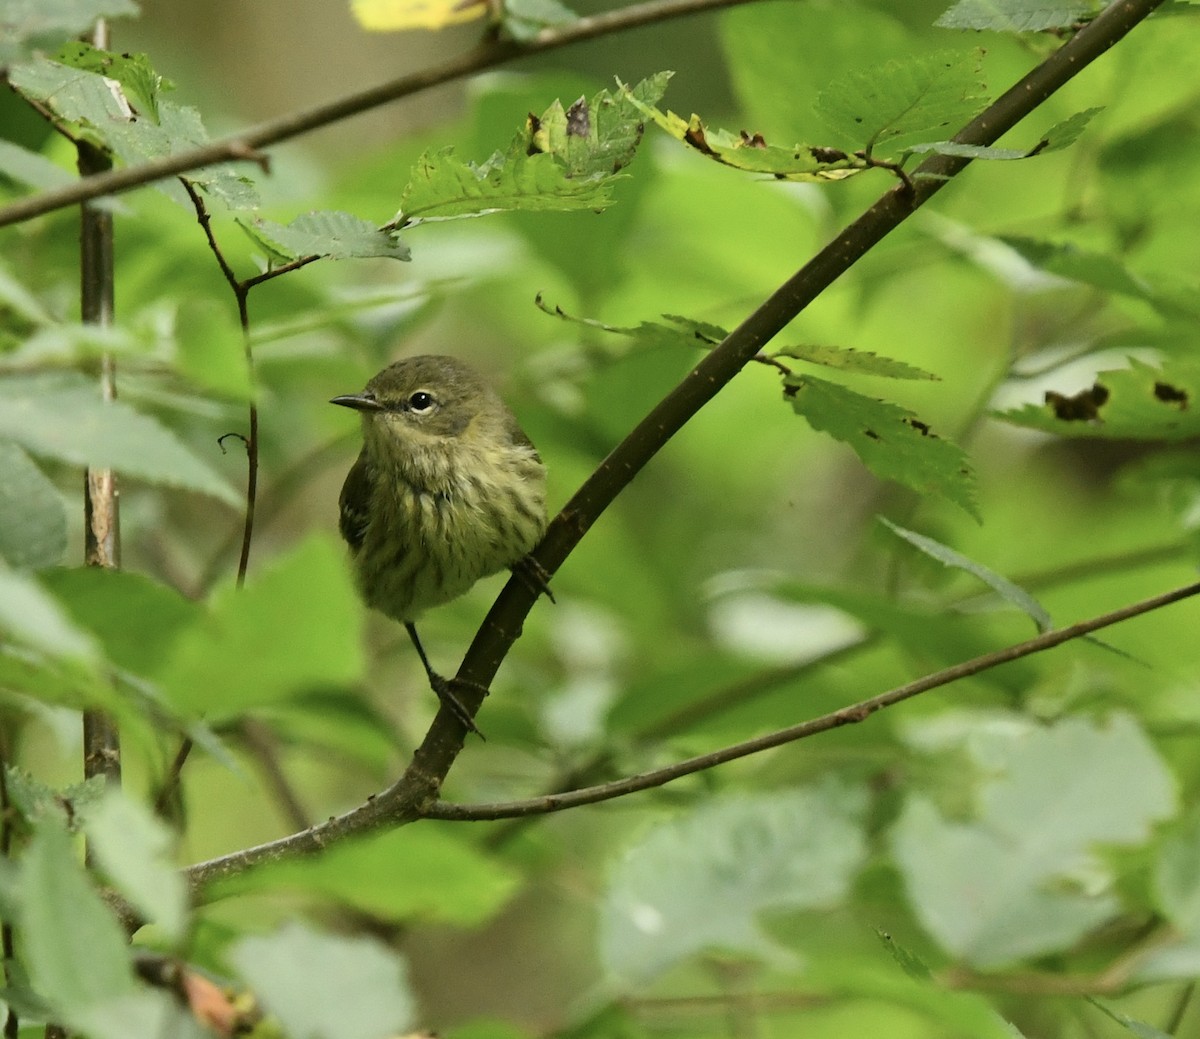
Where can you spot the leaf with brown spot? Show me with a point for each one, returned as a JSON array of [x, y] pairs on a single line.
[[751, 152], [1141, 402]]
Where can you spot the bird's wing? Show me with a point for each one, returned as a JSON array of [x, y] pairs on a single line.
[[354, 503]]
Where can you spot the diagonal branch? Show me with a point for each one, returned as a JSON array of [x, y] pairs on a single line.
[[247, 144], [412, 796], [433, 759]]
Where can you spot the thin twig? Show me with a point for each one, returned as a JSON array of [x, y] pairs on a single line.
[[246, 145], [851, 715], [241, 293], [400, 803]]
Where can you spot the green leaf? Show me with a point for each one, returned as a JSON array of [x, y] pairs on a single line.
[[1131, 1025], [1139, 403], [295, 627], [34, 619], [29, 24], [891, 441], [1059, 136], [324, 987], [1015, 15], [140, 83], [908, 961], [699, 881], [847, 359], [133, 849], [73, 947], [99, 107], [1177, 876], [339, 236], [566, 159], [444, 878], [62, 416], [33, 520], [134, 617], [1002, 586], [1055, 793], [888, 109], [35, 800], [750, 152]]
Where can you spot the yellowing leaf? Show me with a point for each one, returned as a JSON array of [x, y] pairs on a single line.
[[750, 152], [394, 15]]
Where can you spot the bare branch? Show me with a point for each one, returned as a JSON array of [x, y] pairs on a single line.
[[247, 145], [851, 715]]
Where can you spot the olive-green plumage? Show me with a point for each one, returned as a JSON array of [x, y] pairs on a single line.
[[447, 489]]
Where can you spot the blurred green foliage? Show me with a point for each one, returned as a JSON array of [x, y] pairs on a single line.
[[1019, 840]]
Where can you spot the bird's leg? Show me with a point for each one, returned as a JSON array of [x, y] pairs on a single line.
[[443, 686], [535, 576]]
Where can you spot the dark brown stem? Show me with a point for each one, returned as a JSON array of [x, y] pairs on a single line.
[[102, 540]]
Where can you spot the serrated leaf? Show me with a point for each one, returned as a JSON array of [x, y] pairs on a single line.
[[139, 82], [1015, 15], [674, 331], [73, 947], [699, 881], [1139, 403], [847, 359], [888, 109], [322, 986], [445, 879], [34, 800], [33, 519], [62, 416], [394, 15], [565, 160], [891, 441], [751, 153], [1002, 586], [337, 235], [1059, 136], [99, 107], [295, 627]]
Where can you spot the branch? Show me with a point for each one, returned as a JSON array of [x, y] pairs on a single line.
[[433, 759], [851, 715], [406, 801], [247, 145], [414, 794]]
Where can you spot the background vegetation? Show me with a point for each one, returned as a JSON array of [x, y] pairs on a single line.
[[1014, 853]]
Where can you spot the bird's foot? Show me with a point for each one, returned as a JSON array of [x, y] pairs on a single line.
[[535, 576], [444, 687]]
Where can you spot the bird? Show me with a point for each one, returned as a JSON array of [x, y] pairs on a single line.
[[447, 489]]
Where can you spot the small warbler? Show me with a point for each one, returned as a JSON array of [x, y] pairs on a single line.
[[447, 489]]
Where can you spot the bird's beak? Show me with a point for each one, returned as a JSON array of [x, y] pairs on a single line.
[[358, 401]]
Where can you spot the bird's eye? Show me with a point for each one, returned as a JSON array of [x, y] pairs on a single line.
[[420, 402]]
